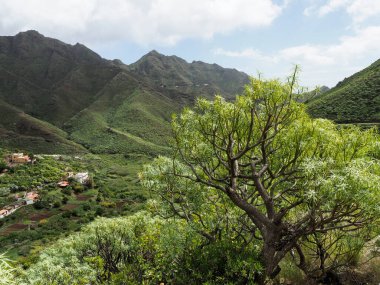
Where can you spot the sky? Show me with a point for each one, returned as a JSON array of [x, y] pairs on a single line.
[[329, 39]]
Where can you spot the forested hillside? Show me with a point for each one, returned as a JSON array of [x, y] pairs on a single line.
[[356, 99]]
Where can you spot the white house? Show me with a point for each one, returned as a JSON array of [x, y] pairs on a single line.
[[81, 177], [3, 213]]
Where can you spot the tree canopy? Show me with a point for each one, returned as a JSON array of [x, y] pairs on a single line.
[[252, 185], [261, 171]]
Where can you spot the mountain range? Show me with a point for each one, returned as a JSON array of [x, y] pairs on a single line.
[[62, 98], [56, 97]]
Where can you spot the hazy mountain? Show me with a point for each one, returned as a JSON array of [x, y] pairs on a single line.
[[308, 96]]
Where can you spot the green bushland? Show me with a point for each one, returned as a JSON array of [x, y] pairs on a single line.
[[252, 186], [356, 99]]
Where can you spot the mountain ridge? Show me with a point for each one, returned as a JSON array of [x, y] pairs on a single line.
[[95, 101]]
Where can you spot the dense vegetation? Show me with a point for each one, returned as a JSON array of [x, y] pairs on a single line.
[[253, 186], [252, 189], [114, 191], [356, 99]]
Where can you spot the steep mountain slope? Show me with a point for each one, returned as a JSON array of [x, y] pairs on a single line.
[[49, 79], [128, 116], [354, 100], [106, 106], [21, 131], [197, 78]]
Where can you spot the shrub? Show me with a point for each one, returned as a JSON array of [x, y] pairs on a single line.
[[65, 200]]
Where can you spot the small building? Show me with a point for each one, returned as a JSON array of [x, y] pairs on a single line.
[[31, 197], [82, 177], [63, 184], [3, 213], [19, 158]]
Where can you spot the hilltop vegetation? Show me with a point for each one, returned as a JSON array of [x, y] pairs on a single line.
[[356, 99]]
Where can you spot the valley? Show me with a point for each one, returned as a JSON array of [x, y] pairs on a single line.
[[151, 199]]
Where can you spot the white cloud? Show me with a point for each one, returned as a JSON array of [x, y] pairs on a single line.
[[306, 53], [358, 10], [331, 6], [142, 21], [246, 53], [366, 41], [316, 60]]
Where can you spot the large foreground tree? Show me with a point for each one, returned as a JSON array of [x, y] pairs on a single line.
[[261, 170]]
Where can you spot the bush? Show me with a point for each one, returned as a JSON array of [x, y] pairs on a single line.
[[87, 206], [65, 200], [3, 166], [99, 211], [78, 188], [41, 205], [67, 191], [107, 204], [141, 249], [67, 214]]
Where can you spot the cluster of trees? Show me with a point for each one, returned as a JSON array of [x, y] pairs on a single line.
[[250, 183]]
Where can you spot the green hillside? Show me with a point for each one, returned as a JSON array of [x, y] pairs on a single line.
[[105, 106], [48, 79], [21, 131], [127, 117], [354, 100]]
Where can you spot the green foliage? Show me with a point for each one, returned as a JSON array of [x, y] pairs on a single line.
[[7, 276], [263, 158], [354, 100], [139, 249], [59, 265]]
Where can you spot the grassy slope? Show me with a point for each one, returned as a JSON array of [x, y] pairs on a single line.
[[21, 131], [127, 117], [354, 100]]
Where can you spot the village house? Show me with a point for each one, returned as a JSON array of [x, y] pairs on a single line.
[[81, 177], [19, 158], [63, 184], [31, 197], [28, 199], [3, 213]]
